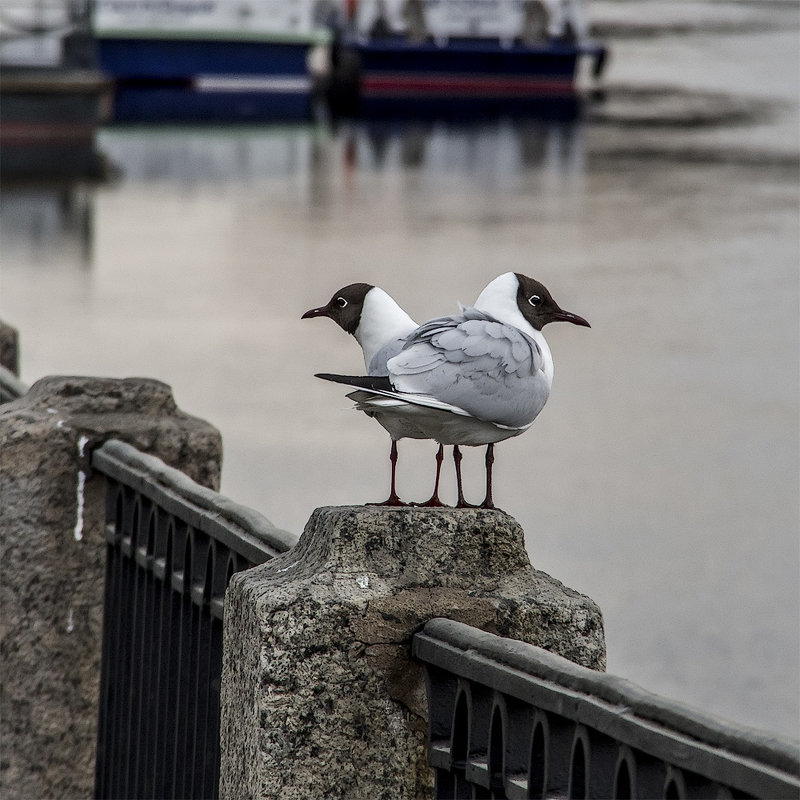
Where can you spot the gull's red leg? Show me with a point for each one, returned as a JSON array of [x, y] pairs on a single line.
[[461, 503], [488, 501], [434, 501], [393, 499]]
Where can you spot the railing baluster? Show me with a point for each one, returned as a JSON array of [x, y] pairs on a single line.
[[180, 757], [650, 776], [108, 680], [579, 767], [201, 643], [496, 758], [118, 678], [212, 753], [127, 626], [151, 728], [559, 754], [537, 770], [166, 670], [145, 704], [161, 646], [603, 753], [211, 668]]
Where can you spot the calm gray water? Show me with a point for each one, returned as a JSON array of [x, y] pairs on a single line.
[[661, 479]]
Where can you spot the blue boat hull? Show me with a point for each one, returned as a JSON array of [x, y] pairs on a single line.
[[466, 67], [394, 76], [179, 59], [181, 79]]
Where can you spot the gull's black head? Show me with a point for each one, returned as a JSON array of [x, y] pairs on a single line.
[[539, 308], [344, 308]]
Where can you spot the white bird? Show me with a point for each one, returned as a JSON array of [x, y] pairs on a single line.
[[380, 326], [474, 378]]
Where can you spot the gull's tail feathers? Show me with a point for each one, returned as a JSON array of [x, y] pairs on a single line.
[[373, 382]]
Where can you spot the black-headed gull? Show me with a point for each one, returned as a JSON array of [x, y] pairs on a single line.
[[474, 378], [380, 327]]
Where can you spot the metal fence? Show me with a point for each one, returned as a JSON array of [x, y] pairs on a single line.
[[509, 720], [171, 549]]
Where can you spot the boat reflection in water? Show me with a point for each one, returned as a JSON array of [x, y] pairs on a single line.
[[47, 224], [491, 146], [323, 154], [53, 220]]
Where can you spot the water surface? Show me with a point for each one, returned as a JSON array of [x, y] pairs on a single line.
[[662, 477]]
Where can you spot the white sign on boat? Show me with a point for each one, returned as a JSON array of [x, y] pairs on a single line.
[[258, 19]]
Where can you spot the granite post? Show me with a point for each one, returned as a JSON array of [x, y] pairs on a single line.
[[52, 552], [320, 696]]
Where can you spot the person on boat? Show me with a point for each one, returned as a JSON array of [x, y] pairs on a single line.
[[380, 28], [414, 18]]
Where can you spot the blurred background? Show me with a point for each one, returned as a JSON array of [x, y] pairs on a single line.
[[182, 232]]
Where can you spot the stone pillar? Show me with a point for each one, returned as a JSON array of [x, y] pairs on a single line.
[[52, 551], [320, 697]]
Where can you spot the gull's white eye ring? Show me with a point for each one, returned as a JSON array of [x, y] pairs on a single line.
[[535, 300], [341, 302]]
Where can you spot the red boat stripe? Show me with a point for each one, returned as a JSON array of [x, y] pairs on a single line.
[[390, 83]]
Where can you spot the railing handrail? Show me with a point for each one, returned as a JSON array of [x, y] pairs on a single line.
[[611, 705], [239, 527]]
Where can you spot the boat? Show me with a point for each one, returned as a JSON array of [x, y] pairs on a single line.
[[229, 59], [52, 97], [205, 59], [398, 52]]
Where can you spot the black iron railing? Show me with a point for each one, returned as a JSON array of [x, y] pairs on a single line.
[[511, 720], [171, 549]]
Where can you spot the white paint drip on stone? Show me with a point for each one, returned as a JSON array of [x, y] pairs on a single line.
[[363, 581], [70, 623], [79, 521], [82, 442]]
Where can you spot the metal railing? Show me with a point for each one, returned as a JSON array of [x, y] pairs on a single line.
[[171, 549], [508, 719]]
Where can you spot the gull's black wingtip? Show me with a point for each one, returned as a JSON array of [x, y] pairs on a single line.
[[359, 381], [327, 376]]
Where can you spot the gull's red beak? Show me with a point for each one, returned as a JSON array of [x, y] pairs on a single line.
[[322, 311], [566, 316]]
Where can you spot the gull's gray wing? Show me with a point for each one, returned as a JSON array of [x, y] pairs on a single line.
[[377, 366], [491, 370]]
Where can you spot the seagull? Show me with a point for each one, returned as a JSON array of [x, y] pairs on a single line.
[[474, 378], [380, 326]]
